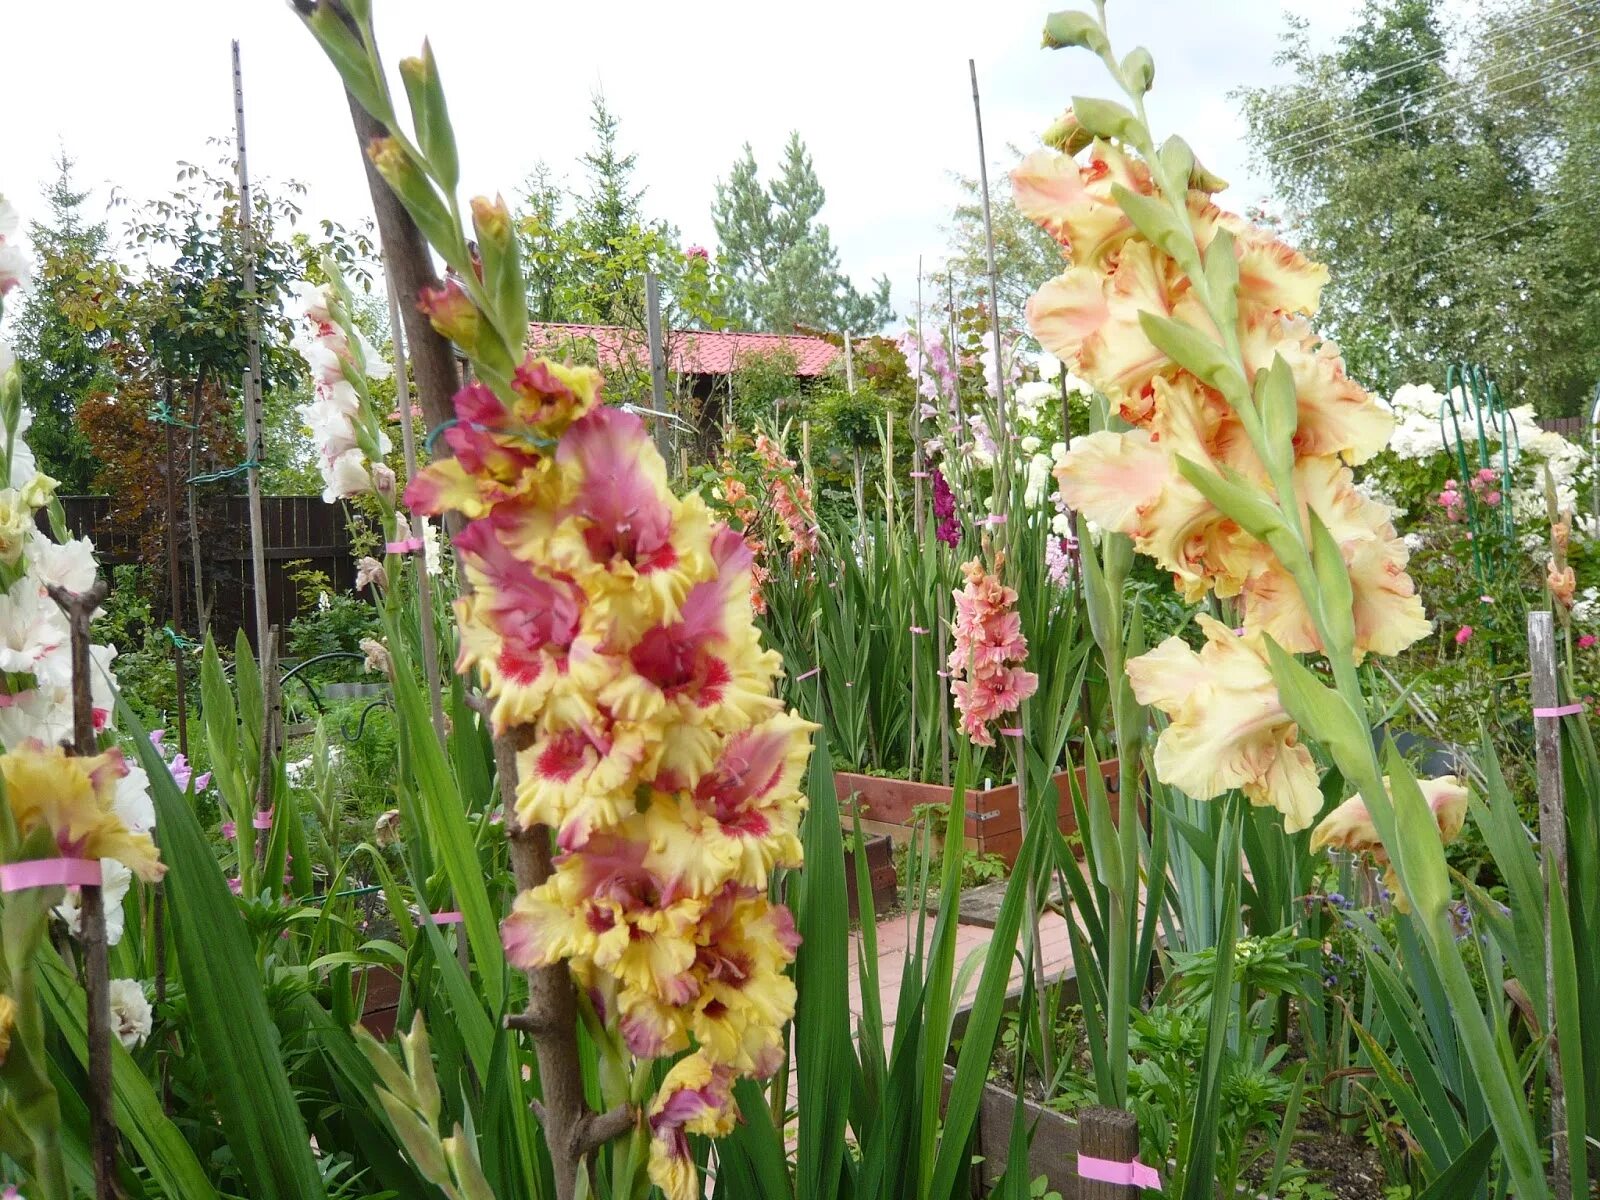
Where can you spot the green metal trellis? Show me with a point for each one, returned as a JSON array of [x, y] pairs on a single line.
[[1471, 392]]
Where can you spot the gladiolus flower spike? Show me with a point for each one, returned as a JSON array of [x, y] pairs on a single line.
[[610, 625]]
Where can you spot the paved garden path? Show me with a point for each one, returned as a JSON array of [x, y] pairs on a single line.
[[896, 934]]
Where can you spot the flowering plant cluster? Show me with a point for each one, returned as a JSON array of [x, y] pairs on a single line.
[[350, 440], [1126, 317], [987, 678], [110, 820], [791, 500], [610, 624]]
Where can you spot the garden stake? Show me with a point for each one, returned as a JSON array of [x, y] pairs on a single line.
[[1110, 1135], [408, 442], [79, 610], [179, 666], [662, 425], [252, 379], [269, 714], [1553, 858], [1002, 492]]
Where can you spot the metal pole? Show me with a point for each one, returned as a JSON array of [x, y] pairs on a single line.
[[252, 381], [408, 443], [1009, 537]]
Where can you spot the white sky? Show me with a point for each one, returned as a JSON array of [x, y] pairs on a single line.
[[878, 90]]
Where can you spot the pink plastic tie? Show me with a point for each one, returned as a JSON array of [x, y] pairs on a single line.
[[262, 820], [50, 872], [1103, 1170], [12, 699], [994, 519], [447, 918], [406, 547], [918, 629], [808, 675], [1565, 710], [1012, 731], [920, 475]]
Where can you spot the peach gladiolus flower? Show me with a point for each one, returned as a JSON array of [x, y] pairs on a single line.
[[1350, 828], [1228, 728], [1562, 582]]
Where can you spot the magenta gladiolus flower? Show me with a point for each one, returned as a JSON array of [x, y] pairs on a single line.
[[948, 530], [1586, 641], [1463, 635]]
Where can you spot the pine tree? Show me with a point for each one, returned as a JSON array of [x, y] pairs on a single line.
[[63, 333], [608, 213], [781, 263]]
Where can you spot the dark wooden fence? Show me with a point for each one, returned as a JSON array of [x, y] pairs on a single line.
[[300, 532], [1574, 429]]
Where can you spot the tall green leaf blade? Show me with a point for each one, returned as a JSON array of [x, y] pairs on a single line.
[[155, 1140], [822, 1019], [236, 1040]]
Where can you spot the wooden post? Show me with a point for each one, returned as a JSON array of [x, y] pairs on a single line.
[[849, 365], [408, 442], [1553, 858], [252, 381], [269, 737], [79, 610], [658, 366], [1113, 1135]]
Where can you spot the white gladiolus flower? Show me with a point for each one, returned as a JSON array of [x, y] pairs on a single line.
[[130, 1012], [346, 476], [31, 627], [132, 802], [13, 260], [1038, 479], [115, 881], [68, 565]]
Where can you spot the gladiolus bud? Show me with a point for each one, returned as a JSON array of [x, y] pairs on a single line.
[[451, 311], [1066, 134]]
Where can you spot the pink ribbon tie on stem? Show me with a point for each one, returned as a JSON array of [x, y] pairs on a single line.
[[446, 918], [262, 820], [808, 675], [50, 872], [918, 629], [1011, 731], [1563, 710], [406, 547], [1103, 1170]]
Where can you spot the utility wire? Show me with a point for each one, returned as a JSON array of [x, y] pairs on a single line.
[[1543, 210], [1370, 132], [1394, 114], [1433, 56]]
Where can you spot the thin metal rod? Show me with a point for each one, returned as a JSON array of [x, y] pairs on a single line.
[[1010, 536], [252, 381]]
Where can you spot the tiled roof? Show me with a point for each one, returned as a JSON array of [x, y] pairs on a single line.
[[691, 351]]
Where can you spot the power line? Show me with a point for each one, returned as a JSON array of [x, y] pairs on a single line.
[[1543, 210], [1386, 113], [1370, 130], [1433, 56]]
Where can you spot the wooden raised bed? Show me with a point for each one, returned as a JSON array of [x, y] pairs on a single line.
[[882, 878], [993, 817]]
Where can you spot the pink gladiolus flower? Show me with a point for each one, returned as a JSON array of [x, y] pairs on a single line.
[[229, 830], [1463, 635], [987, 679], [1586, 641]]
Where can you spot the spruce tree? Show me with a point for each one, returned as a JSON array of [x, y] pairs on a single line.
[[62, 330], [782, 266]]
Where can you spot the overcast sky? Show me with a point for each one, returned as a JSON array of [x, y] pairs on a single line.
[[879, 91]]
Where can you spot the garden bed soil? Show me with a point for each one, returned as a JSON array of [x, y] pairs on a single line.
[[993, 816]]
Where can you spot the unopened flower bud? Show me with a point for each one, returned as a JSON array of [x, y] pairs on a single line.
[[451, 311]]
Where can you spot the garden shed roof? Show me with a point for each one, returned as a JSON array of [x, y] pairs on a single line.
[[691, 351]]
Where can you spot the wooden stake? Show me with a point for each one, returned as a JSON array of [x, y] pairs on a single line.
[[1113, 1135], [79, 610], [1553, 858], [252, 380], [660, 425], [408, 443]]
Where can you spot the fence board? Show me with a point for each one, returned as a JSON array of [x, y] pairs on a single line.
[[297, 529]]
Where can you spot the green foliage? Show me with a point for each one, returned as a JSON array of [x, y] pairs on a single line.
[[782, 266], [64, 331], [1472, 149]]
